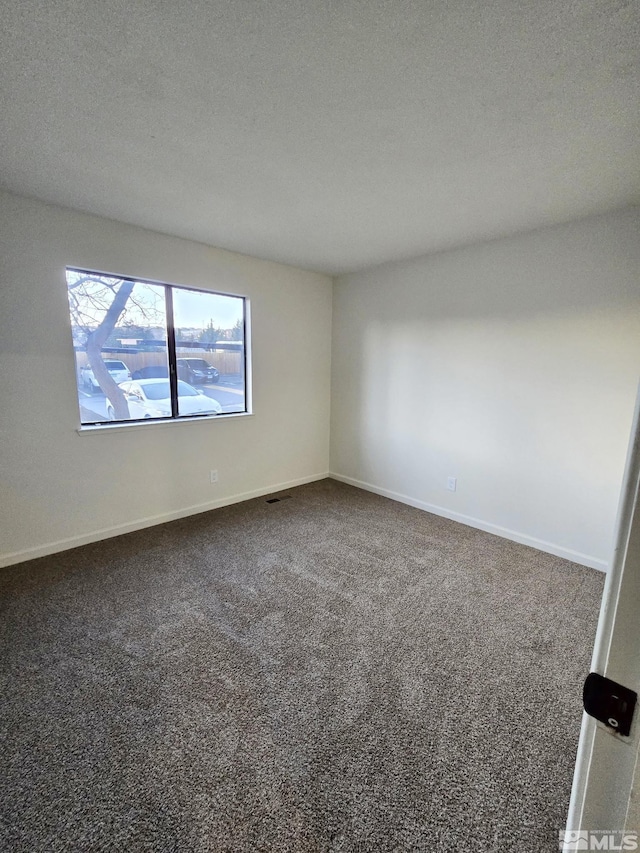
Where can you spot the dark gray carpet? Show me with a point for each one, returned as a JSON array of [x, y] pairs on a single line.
[[334, 672]]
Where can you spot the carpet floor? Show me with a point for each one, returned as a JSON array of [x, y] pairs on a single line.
[[331, 672]]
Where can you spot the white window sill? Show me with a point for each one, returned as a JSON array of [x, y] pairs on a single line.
[[94, 429]]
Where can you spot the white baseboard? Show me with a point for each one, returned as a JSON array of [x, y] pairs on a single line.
[[479, 524], [149, 521]]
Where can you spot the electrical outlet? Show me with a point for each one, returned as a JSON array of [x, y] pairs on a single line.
[[213, 476], [451, 483]]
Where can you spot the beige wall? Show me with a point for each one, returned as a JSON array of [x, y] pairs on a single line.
[[511, 365], [59, 488]]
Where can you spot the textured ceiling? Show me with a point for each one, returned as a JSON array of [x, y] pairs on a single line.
[[330, 134]]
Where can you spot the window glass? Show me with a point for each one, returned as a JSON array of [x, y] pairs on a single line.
[[209, 334], [112, 316], [125, 330]]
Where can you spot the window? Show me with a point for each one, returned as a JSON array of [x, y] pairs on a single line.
[[149, 351]]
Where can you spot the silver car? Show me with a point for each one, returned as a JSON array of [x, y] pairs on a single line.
[[118, 371]]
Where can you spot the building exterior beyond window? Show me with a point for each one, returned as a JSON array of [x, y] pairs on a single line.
[[148, 351]]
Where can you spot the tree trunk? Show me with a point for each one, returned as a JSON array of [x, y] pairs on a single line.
[[95, 342]]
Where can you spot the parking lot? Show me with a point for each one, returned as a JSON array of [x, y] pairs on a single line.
[[228, 392]]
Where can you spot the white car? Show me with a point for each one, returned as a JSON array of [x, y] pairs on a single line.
[[151, 398], [118, 371]]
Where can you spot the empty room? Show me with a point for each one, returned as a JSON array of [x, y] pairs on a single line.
[[319, 437]]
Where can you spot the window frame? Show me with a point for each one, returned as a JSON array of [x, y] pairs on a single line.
[[172, 357]]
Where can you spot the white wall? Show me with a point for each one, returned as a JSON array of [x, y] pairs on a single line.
[[511, 365], [58, 488]]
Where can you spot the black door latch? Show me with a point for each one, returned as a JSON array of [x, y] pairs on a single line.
[[610, 703]]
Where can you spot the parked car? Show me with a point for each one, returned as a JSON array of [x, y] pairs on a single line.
[[196, 371], [153, 371], [151, 398], [118, 371]]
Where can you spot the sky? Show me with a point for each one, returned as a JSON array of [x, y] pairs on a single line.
[[191, 308], [195, 308]]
